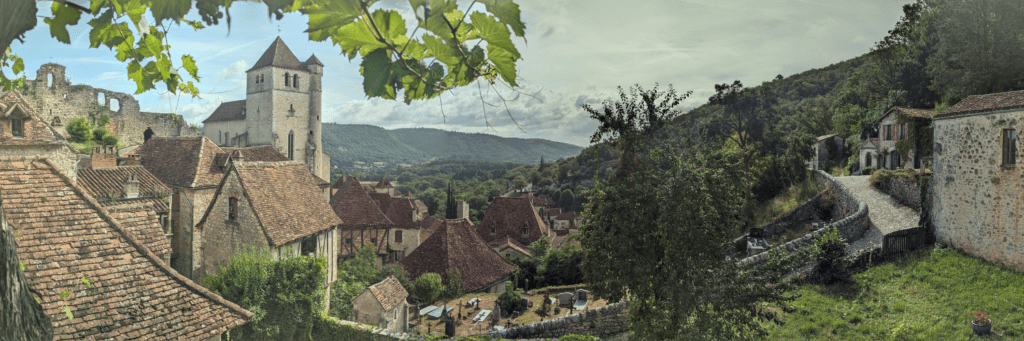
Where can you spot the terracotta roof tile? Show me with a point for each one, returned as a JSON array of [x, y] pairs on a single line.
[[986, 102], [139, 217], [389, 293], [566, 216], [108, 183], [258, 153], [456, 245], [182, 161], [35, 130], [228, 111], [384, 183], [286, 199], [400, 212], [552, 212], [507, 216], [355, 208], [561, 238], [923, 113], [133, 294], [509, 243]]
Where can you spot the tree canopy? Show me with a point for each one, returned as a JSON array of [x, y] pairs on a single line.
[[447, 54]]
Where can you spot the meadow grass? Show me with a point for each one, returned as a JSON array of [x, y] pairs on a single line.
[[925, 295], [795, 195]]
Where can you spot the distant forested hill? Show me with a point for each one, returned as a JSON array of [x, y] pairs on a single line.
[[349, 143]]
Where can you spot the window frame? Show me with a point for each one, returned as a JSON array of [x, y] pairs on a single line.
[[20, 124], [233, 209], [398, 236], [1009, 147], [526, 229]]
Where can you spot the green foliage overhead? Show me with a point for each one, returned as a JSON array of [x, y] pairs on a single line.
[[286, 296], [423, 63], [79, 130], [539, 248]]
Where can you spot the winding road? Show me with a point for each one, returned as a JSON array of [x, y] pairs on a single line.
[[886, 214]]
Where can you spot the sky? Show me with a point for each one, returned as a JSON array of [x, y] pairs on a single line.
[[575, 52]]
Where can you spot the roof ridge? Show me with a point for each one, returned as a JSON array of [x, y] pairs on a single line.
[[105, 215]]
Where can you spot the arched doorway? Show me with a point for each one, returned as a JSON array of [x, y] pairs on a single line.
[[147, 134]]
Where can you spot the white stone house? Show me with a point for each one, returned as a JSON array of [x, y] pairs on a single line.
[[891, 132]]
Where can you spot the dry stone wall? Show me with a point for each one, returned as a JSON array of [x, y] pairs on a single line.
[[851, 227], [56, 100], [905, 191], [810, 210]]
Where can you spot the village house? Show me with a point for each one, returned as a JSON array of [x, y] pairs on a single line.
[[563, 238], [827, 148], [133, 196], [512, 217], [192, 167], [131, 293], [281, 109], [511, 248], [891, 132], [383, 305], [868, 153], [454, 245], [977, 180], [268, 205], [363, 223], [24, 134]]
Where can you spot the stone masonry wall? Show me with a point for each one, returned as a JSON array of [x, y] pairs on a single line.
[[222, 238], [53, 97], [807, 211], [905, 191], [977, 199], [851, 227]]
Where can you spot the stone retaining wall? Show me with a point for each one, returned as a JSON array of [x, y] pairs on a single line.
[[807, 211], [609, 320], [851, 227], [905, 191]]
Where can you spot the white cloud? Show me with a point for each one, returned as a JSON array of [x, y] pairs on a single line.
[[234, 71], [110, 75]]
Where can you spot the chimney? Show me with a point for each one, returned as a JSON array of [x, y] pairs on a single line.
[[131, 187], [463, 209], [103, 157], [133, 160], [239, 157]]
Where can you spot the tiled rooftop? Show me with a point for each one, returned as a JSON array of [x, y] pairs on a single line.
[[456, 245]]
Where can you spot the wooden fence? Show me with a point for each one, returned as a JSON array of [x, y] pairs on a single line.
[[904, 240]]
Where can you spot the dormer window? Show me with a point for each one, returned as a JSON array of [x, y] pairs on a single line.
[[492, 229], [18, 127], [526, 230], [233, 209]]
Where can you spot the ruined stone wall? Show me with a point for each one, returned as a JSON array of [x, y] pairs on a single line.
[[53, 97], [977, 201], [612, 319], [63, 156]]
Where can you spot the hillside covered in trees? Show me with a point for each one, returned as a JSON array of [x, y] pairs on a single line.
[[348, 143]]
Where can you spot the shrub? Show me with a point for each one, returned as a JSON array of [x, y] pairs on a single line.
[[509, 301], [109, 140], [98, 133], [79, 130], [867, 171], [831, 265]]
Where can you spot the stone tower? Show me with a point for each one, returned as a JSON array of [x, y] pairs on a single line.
[[282, 107]]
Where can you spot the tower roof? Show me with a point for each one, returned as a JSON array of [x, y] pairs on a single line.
[[312, 60], [277, 55]]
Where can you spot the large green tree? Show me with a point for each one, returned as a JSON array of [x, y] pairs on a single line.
[[677, 274], [442, 53]]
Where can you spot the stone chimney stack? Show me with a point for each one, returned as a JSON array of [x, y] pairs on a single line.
[[239, 157], [463, 209], [133, 160], [131, 186], [104, 157]]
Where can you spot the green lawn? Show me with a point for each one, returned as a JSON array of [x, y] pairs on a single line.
[[926, 295]]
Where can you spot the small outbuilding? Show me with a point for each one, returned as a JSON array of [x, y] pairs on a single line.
[[383, 305]]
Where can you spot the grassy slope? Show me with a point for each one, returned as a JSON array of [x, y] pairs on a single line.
[[926, 295]]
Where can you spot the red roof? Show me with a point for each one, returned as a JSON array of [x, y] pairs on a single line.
[[922, 113], [508, 216], [456, 245], [384, 183], [389, 293], [355, 208], [133, 294], [986, 102], [509, 243]]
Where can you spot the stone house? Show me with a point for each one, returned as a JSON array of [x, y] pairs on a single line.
[[868, 155], [891, 132], [512, 217], [134, 197], [192, 167], [23, 133], [976, 185], [132, 293], [281, 109], [454, 244], [363, 223], [268, 205], [565, 220], [383, 305], [510, 248], [826, 148]]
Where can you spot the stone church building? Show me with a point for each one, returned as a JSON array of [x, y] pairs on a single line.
[[281, 108]]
